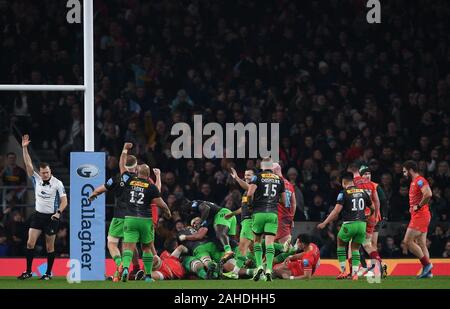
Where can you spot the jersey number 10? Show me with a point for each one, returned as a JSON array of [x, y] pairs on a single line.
[[361, 204]]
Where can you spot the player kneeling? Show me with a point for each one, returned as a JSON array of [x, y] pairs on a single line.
[[302, 265]]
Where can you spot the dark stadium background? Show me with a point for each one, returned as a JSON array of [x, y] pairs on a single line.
[[341, 89]]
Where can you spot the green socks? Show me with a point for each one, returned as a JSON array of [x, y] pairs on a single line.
[[355, 261], [240, 260], [147, 258], [342, 256], [201, 273], [257, 248], [127, 257], [117, 259], [270, 253]]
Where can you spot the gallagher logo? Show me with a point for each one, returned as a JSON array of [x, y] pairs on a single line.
[[87, 171]]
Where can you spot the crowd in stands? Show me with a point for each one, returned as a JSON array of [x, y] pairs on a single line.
[[342, 91]]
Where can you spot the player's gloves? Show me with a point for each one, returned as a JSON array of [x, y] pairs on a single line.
[[182, 237]]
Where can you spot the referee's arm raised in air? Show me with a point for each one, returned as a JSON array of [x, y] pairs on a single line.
[[26, 156]]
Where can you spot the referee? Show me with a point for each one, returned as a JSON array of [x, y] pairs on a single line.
[[51, 200]]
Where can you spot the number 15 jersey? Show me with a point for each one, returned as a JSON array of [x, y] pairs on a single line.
[[269, 188]]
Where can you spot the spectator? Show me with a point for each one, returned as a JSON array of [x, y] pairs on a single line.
[[17, 233], [390, 249], [62, 241], [14, 176], [346, 100], [399, 210], [446, 253], [4, 247], [439, 206], [438, 241], [318, 209]]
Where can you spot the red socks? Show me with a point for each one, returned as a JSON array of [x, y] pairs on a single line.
[[375, 255], [136, 267], [424, 260]]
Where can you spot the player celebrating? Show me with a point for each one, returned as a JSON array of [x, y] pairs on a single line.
[[127, 166], [352, 202], [246, 235], [138, 224], [264, 193], [51, 200], [286, 212], [301, 265], [416, 233]]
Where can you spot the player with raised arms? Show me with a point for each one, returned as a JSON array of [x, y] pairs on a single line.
[[127, 167], [50, 202], [138, 224], [246, 235]]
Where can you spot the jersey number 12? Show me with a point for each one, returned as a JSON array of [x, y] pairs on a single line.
[[140, 198]]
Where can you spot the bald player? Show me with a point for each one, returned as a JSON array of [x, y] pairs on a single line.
[[138, 225]]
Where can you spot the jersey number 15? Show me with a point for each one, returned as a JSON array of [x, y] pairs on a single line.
[[271, 188]]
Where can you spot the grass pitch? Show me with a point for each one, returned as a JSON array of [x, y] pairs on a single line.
[[438, 282]]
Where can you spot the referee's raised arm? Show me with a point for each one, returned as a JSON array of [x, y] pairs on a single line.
[[26, 156]]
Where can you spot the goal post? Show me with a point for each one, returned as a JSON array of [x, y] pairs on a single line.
[[87, 88], [87, 170]]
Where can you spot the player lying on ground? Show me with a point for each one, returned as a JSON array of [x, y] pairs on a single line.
[[138, 225], [301, 265], [234, 271], [416, 234], [264, 193], [352, 202], [168, 266], [50, 202]]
